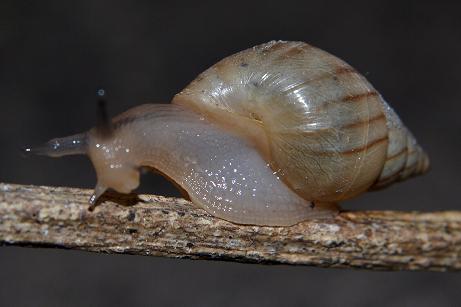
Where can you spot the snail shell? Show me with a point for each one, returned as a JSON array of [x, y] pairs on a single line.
[[272, 135], [326, 128]]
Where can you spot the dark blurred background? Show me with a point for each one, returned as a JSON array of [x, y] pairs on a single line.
[[54, 55]]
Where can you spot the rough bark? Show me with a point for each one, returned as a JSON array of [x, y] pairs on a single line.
[[169, 227]]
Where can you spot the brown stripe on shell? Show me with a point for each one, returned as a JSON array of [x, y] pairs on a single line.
[[401, 152], [384, 181], [366, 147], [338, 71], [357, 97], [396, 173], [349, 99], [362, 123]]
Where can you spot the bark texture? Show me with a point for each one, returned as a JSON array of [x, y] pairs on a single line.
[[169, 227]]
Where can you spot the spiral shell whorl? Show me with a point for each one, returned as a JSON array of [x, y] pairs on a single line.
[[405, 158], [325, 125]]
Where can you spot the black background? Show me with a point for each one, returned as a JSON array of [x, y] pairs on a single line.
[[54, 55]]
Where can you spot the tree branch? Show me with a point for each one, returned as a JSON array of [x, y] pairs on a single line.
[[169, 227]]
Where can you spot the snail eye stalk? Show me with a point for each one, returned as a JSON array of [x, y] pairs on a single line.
[[104, 125]]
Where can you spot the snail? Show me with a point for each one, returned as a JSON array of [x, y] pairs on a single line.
[[272, 135]]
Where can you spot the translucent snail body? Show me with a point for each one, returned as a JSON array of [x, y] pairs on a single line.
[[269, 136]]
